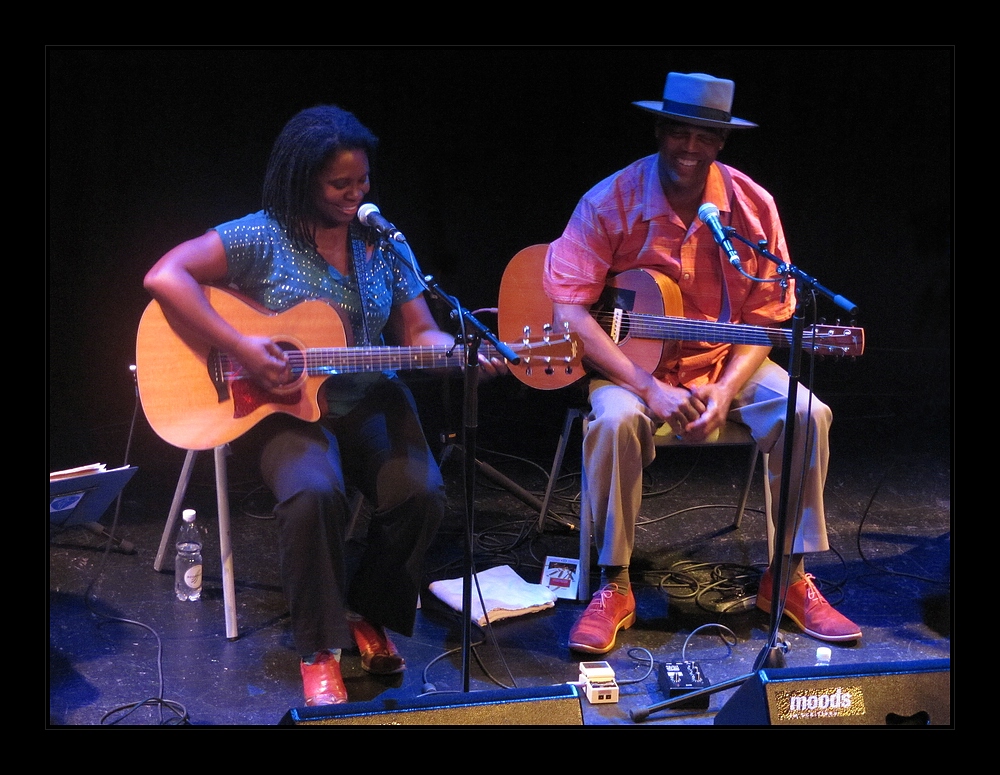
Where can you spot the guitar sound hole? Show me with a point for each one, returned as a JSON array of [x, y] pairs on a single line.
[[297, 363]]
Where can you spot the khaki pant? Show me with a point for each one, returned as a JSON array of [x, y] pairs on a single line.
[[618, 444]]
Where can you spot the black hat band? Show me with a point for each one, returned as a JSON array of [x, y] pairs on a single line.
[[696, 111]]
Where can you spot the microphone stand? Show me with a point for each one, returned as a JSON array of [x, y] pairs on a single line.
[[470, 414], [773, 653]]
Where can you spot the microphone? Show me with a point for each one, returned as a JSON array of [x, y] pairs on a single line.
[[369, 215], [709, 215]]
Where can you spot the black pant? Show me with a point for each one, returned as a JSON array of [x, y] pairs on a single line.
[[380, 448]]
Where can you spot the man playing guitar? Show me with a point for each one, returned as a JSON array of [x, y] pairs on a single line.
[[647, 216]]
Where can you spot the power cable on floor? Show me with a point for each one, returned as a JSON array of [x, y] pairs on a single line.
[[117, 715]]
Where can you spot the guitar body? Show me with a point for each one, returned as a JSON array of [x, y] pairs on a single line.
[[188, 407], [524, 305], [196, 397]]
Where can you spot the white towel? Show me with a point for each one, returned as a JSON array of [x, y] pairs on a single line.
[[505, 593]]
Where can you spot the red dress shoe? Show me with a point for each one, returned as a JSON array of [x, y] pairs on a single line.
[[608, 612], [322, 682], [378, 654], [806, 606]]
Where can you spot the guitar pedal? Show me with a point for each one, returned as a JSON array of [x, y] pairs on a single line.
[[599, 685]]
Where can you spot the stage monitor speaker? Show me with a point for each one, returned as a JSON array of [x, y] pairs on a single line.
[[546, 706], [889, 694]]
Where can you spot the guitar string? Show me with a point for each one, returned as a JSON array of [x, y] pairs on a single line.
[[641, 325], [653, 327], [385, 357], [668, 328]]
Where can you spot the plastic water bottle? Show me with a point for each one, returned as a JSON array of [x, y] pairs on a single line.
[[823, 655], [187, 566]]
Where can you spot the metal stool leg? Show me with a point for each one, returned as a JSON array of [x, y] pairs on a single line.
[[571, 415], [741, 506]]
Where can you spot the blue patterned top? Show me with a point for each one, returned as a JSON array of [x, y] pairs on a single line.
[[266, 266]]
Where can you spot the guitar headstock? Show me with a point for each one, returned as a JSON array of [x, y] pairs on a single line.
[[551, 360], [834, 340]]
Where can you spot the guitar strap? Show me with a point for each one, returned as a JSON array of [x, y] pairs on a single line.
[[724, 310], [361, 268]]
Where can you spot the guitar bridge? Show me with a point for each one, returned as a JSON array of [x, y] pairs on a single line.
[[616, 325]]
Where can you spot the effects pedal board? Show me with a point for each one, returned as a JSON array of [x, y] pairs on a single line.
[[680, 678]]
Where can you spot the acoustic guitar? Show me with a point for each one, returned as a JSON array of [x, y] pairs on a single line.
[[642, 311], [196, 397]]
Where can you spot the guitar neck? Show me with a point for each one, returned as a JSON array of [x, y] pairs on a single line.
[[683, 329], [330, 361]]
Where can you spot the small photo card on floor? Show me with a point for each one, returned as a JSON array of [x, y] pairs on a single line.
[[561, 575]]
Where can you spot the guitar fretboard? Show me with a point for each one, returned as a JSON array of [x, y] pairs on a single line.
[[653, 327], [323, 361], [330, 361]]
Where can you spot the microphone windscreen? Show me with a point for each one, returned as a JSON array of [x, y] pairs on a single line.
[[366, 210], [707, 210]]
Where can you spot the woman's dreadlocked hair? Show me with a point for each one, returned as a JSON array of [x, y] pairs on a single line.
[[306, 143]]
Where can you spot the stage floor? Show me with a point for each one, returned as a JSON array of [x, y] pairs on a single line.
[[122, 650]]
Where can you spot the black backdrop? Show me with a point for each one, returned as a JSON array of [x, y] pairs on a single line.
[[483, 152]]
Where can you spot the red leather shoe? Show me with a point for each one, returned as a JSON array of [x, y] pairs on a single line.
[[596, 629], [378, 654], [322, 682], [806, 606]]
